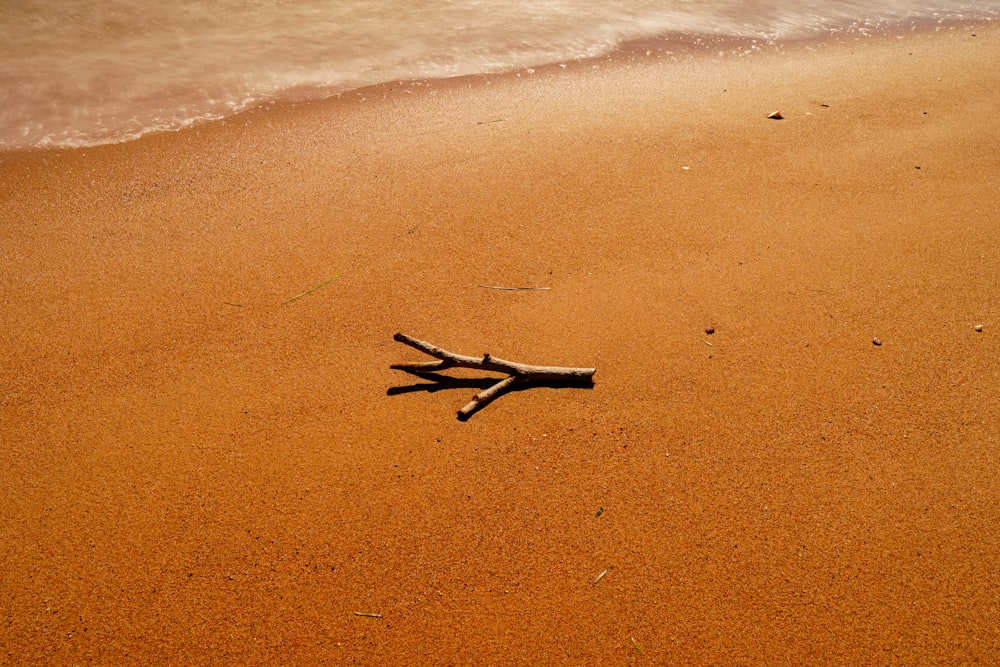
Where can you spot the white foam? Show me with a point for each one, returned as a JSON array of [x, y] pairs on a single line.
[[86, 72]]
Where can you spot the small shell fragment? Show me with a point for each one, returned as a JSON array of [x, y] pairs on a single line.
[[979, 328], [775, 115], [598, 578], [876, 341]]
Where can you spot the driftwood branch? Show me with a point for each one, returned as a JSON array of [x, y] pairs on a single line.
[[518, 374]]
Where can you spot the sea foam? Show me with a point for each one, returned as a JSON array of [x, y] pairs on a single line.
[[87, 72]]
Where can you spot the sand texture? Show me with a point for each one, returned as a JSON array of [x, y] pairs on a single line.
[[198, 467]]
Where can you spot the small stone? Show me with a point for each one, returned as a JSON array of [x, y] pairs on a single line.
[[876, 341], [775, 115], [979, 328], [710, 330]]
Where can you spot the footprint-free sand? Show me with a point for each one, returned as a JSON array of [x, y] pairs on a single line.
[[198, 467]]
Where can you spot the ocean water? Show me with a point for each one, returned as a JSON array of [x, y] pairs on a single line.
[[87, 72]]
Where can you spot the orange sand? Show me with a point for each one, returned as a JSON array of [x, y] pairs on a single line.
[[196, 471]]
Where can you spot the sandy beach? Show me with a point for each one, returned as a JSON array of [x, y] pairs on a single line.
[[208, 461]]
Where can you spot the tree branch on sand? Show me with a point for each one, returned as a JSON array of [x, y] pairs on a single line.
[[518, 375]]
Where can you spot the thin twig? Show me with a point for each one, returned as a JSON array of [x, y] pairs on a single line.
[[517, 289], [984, 88], [310, 291]]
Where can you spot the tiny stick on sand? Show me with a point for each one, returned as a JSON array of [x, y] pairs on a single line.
[[518, 374]]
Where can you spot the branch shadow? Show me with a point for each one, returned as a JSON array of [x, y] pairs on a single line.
[[437, 382]]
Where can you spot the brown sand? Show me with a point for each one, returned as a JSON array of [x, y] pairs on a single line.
[[195, 471]]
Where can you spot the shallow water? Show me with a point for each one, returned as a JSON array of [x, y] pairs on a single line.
[[86, 72]]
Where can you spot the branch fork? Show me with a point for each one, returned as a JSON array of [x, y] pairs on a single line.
[[517, 374]]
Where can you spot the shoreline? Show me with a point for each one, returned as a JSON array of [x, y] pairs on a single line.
[[208, 458], [671, 45]]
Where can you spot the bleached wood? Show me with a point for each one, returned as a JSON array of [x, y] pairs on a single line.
[[517, 373]]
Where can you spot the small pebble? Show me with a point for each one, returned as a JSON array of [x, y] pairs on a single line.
[[710, 330], [979, 328], [775, 115], [876, 341]]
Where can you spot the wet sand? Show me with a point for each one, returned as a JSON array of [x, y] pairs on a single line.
[[199, 467]]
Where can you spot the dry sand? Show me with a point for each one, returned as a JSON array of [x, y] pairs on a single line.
[[197, 470]]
